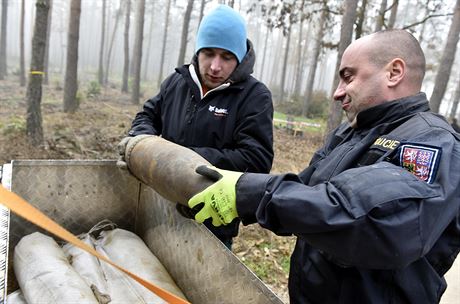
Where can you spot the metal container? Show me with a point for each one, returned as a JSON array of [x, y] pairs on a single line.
[[79, 194]]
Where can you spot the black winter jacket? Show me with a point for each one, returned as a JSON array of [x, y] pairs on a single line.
[[377, 212], [231, 128]]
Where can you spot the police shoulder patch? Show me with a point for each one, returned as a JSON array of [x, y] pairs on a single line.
[[422, 161]]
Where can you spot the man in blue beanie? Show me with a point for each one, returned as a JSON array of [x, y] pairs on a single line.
[[214, 106]]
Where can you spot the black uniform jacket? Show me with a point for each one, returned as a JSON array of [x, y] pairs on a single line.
[[231, 128], [377, 212]]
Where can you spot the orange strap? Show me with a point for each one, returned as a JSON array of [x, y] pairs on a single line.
[[32, 214]]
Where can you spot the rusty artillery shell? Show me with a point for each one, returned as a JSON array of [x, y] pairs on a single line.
[[166, 167]]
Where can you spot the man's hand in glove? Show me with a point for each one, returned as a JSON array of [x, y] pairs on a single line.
[[218, 201], [121, 147]]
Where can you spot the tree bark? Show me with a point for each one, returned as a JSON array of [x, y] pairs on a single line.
[[314, 59], [447, 59], [264, 53], [361, 16], [22, 76], [163, 49], [118, 14], [298, 74], [285, 60], [137, 58], [381, 16], [394, 12], [3, 30], [456, 100], [100, 73], [124, 86], [149, 43], [346, 33], [203, 4], [184, 36], [71, 103], [47, 47], [34, 127]]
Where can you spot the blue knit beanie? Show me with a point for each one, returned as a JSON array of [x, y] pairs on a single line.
[[223, 28]]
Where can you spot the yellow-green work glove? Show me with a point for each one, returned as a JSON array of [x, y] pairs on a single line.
[[218, 201]]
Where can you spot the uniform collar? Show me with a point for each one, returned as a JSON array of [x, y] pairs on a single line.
[[392, 110]]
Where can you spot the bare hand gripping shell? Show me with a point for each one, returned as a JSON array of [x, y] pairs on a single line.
[[166, 167]]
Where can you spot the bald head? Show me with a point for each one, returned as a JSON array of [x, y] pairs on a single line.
[[387, 45]]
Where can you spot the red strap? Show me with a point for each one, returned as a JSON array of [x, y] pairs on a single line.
[[33, 215]]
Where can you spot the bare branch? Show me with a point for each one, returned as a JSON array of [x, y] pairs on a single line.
[[425, 19]]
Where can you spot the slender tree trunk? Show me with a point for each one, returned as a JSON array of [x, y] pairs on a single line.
[[137, 58], [71, 103], [447, 60], [47, 47], [3, 30], [203, 4], [346, 33], [314, 59], [300, 65], [100, 73], [361, 16], [149, 44], [34, 127], [118, 14], [381, 16], [163, 49], [285, 62], [456, 100], [184, 36], [394, 12], [264, 53], [124, 86], [22, 76]]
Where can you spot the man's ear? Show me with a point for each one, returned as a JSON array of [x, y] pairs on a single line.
[[396, 71]]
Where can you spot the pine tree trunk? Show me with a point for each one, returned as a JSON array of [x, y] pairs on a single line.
[[109, 51], [360, 17], [3, 31], [71, 103], [346, 33], [100, 73], [203, 4], [285, 60], [163, 49], [300, 66], [394, 12], [264, 53], [381, 16], [47, 47], [456, 100], [184, 36], [149, 44], [314, 59], [124, 86], [34, 127], [447, 60], [22, 76], [137, 58]]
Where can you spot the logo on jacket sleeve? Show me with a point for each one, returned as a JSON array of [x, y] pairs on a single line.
[[217, 111], [421, 161]]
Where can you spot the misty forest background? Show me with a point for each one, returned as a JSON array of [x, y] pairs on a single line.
[[94, 63], [85, 45]]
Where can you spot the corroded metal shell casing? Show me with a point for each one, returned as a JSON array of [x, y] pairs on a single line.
[[166, 167]]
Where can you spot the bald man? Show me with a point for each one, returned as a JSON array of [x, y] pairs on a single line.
[[377, 212]]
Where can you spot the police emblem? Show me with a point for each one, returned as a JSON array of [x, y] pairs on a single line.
[[421, 161]]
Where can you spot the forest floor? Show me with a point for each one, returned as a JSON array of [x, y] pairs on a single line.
[[93, 133]]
